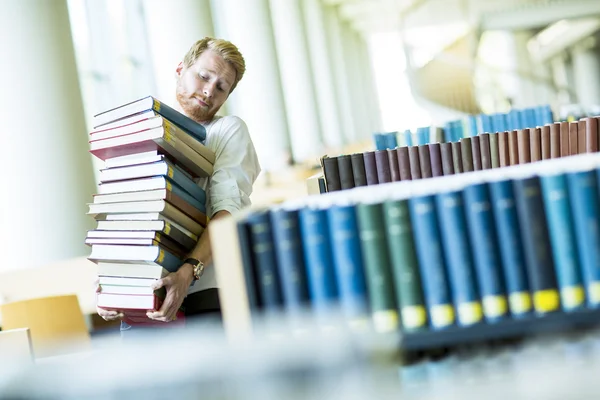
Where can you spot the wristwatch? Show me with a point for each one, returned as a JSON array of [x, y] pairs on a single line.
[[198, 267]]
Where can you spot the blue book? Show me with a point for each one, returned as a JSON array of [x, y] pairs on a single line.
[[484, 246], [485, 124], [290, 260], [150, 103], [455, 243], [320, 272], [546, 115], [347, 261], [499, 123], [471, 126], [179, 191], [428, 244], [422, 136], [380, 141], [583, 193], [511, 247], [183, 180], [530, 118], [513, 120], [390, 140], [264, 261], [523, 122], [248, 264], [448, 132], [536, 245], [408, 137], [563, 240]]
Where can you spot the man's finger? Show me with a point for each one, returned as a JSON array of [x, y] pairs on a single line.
[[166, 281]]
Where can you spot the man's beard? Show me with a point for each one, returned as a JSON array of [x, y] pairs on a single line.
[[190, 108]]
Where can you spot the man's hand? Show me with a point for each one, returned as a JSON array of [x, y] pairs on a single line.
[[107, 315], [177, 285]]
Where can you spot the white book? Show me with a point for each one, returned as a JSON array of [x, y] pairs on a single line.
[[125, 281], [131, 290], [126, 301], [131, 270]]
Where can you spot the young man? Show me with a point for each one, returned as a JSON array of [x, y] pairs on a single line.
[[210, 71]]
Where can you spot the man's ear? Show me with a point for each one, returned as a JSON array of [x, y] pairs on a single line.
[[179, 70]]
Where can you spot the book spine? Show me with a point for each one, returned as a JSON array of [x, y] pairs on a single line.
[[511, 250], [405, 267], [290, 261], [181, 121], [435, 157], [415, 163], [555, 140], [383, 166], [485, 151], [535, 144], [185, 183], [263, 262], [466, 154], [583, 194], [563, 241], [345, 171], [185, 196], [347, 262], [476, 153], [431, 261], [425, 161], [332, 174], [484, 245], [581, 136], [358, 170], [371, 168], [503, 149], [403, 163], [394, 167], [523, 146], [513, 148], [447, 161], [565, 149], [545, 142], [168, 260], [573, 138], [322, 286], [538, 255], [591, 135], [458, 258], [457, 158], [378, 272]]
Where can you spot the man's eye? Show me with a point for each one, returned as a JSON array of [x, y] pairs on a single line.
[[204, 77]]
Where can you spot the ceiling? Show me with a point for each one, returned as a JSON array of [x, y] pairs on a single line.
[[369, 16]]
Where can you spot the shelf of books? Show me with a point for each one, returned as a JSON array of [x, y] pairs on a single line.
[[489, 254], [477, 143], [149, 209]]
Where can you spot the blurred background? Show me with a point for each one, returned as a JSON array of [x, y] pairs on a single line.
[[322, 77]]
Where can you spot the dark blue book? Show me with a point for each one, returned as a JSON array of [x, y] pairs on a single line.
[[455, 242], [536, 245], [248, 265], [191, 200], [320, 271], [484, 246], [264, 261], [347, 262], [290, 260], [563, 241], [583, 194], [511, 248], [428, 244], [150, 103]]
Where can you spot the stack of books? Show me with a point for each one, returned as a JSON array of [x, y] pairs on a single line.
[[149, 209]]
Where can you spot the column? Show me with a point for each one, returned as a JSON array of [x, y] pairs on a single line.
[[345, 101], [368, 78], [46, 167], [522, 80], [586, 71], [258, 99], [296, 79], [322, 73], [173, 26]]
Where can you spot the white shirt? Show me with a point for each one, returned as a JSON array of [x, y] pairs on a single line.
[[235, 170]]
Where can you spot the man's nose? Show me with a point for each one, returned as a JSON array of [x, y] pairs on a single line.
[[208, 90]]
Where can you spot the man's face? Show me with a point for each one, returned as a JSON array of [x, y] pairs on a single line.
[[204, 86]]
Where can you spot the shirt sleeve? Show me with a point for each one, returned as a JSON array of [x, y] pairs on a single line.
[[235, 170]]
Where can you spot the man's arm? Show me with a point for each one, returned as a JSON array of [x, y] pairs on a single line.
[[178, 283]]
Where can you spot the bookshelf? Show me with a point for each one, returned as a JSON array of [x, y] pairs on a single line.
[[230, 258]]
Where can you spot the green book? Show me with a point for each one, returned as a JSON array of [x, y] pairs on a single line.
[[404, 265], [494, 152], [377, 266]]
